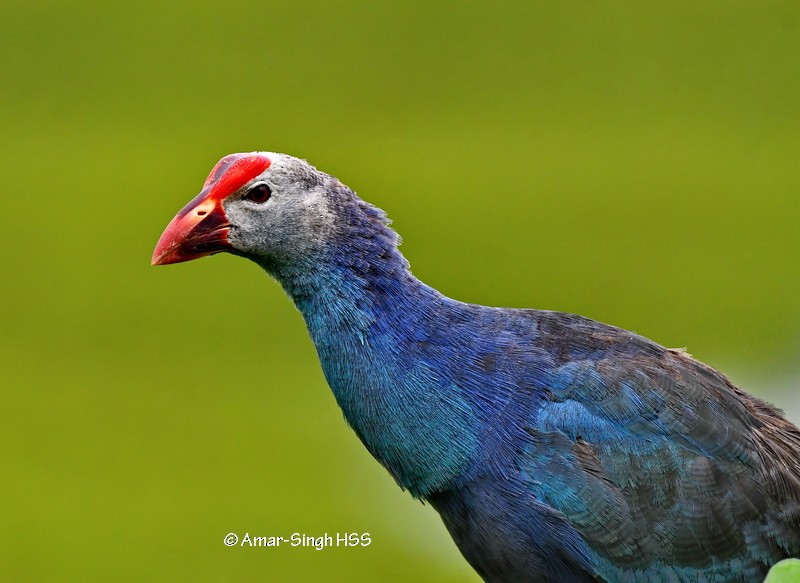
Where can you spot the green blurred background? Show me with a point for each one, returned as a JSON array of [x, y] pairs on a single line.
[[638, 164]]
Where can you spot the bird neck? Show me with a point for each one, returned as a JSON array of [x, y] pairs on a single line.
[[349, 295], [370, 319], [359, 279]]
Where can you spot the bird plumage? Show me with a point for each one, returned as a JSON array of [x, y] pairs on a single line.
[[554, 447]]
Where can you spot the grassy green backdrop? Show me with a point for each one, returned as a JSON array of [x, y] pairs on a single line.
[[634, 163]]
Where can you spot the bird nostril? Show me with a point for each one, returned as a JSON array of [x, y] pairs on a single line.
[[200, 213]]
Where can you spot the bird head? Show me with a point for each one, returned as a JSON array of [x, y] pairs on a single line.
[[261, 204]]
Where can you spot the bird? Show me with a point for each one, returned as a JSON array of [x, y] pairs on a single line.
[[554, 447]]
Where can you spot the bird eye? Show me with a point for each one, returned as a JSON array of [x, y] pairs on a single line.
[[259, 193]]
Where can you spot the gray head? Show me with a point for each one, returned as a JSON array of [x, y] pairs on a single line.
[[263, 205], [285, 214]]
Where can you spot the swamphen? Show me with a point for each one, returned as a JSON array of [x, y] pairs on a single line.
[[554, 447]]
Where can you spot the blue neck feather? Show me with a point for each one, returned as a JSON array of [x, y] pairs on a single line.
[[372, 323]]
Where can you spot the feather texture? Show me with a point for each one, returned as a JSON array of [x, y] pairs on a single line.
[[555, 448]]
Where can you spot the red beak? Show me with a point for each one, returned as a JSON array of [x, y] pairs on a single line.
[[199, 229]]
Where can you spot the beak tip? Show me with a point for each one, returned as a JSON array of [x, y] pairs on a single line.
[[161, 253], [165, 256]]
